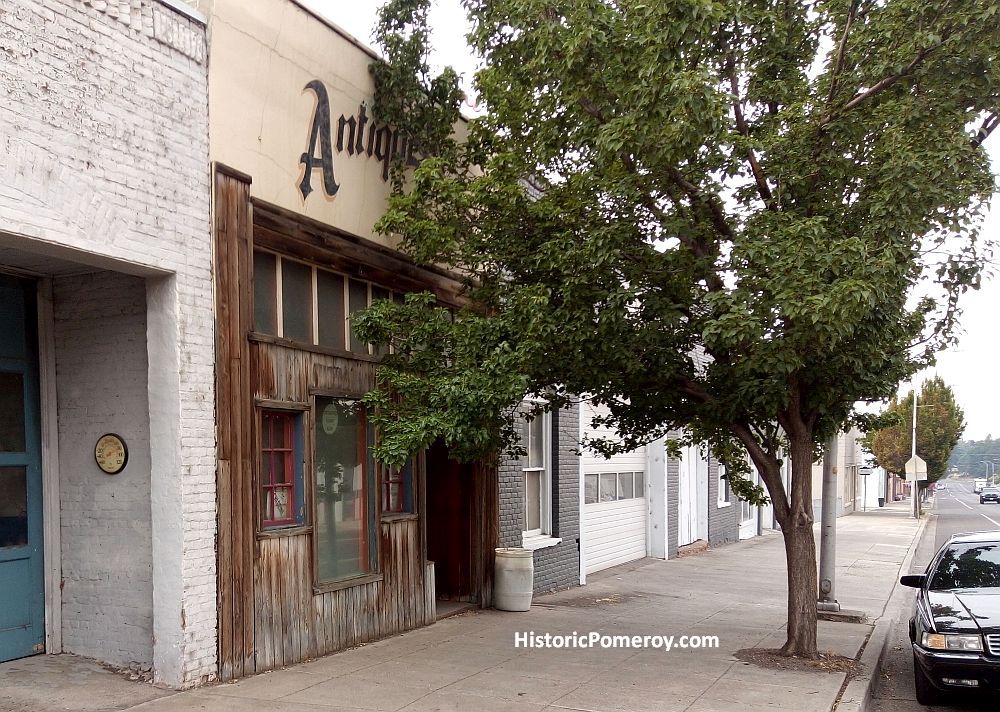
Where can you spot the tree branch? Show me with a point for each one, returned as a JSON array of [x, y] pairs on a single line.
[[764, 463], [989, 124], [741, 125], [718, 218], [838, 66], [884, 83]]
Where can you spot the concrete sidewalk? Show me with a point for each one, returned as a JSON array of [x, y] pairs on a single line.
[[469, 662]]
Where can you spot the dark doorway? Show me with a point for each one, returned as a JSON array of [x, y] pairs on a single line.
[[449, 524]]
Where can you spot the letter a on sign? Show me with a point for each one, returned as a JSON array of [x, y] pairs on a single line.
[[321, 132]]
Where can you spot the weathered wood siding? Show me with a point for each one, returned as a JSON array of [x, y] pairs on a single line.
[[234, 410], [270, 613], [293, 624]]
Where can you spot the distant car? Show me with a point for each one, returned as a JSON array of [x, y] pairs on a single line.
[[955, 629], [989, 494]]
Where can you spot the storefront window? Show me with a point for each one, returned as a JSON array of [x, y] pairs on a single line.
[[345, 512], [311, 305]]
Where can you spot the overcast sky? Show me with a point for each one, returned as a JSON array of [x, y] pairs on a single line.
[[970, 368]]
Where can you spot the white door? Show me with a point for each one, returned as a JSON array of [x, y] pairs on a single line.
[[748, 512], [686, 499], [692, 497], [701, 483]]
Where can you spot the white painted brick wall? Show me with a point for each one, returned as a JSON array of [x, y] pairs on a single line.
[[104, 145], [107, 581]]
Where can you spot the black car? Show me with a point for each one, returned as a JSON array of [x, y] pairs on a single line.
[[989, 494], [955, 630]]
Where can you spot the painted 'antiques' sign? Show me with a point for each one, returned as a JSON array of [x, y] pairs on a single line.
[[358, 135]]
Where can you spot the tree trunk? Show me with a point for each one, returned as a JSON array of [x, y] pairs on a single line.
[[800, 552], [800, 557]]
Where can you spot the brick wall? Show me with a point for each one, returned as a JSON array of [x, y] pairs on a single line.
[[723, 522], [107, 597], [104, 133], [557, 566]]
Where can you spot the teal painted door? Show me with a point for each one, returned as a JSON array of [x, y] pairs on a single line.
[[22, 595]]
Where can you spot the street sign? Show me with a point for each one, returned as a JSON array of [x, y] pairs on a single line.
[[916, 469]]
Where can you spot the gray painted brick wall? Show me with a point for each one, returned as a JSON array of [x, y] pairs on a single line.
[[673, 483], [723, 522], [100, 339], [558, 566]]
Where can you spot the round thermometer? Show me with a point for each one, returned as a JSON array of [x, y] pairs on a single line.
[[111, 453]]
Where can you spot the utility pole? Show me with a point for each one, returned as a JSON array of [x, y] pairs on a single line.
[[828, 530], [916, 483]]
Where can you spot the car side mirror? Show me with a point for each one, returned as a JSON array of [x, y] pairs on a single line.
[[913, 580]]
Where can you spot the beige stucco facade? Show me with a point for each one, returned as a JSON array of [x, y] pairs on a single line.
[[263, 55]]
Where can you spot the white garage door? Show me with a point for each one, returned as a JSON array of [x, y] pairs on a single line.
[[614, 519], [615, 503]]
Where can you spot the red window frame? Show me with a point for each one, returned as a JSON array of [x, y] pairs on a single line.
[[393, 479], [274, 461]]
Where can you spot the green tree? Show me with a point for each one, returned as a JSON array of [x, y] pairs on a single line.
[[705, 215], [972, 456], [940, 424]]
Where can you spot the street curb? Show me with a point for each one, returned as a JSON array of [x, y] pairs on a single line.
[[857, 695]]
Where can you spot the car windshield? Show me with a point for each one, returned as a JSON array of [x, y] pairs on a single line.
[[968, 566], [991, 490]]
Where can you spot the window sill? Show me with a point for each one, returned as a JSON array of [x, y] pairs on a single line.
[[399, 517], [361, 580], [277, 532], [536, 541], [723, 505]]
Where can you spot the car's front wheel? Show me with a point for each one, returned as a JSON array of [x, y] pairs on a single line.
[[927, 694]]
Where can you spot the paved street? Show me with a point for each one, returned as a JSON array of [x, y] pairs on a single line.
[[957, 510], [469, 662]]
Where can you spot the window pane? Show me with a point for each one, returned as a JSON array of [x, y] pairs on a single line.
[[536, 442], [968, 566], [274, 428], [282, 505], [590, 486], [265, 304], [330, 300], [532, 500], [359, 302], [280, 476], [296, 301], [11, 412], [397, 490], [640, 484], [341, 490], [13, 507], [625, 485], [380, 293], [609, 489]]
